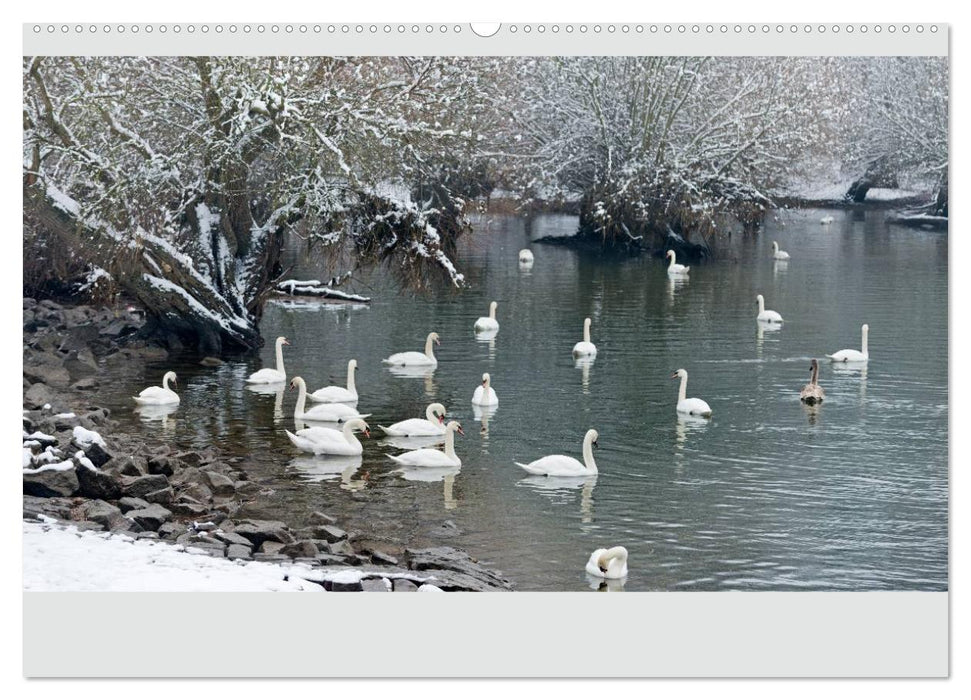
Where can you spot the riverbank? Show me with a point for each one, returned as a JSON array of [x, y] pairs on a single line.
[[81, 470]]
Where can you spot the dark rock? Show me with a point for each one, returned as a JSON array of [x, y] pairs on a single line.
[[38, 395], [126, 466], [172, 530], [376, 585], [323, 518], [259, 531], [108, 515], [144, 535], [192, 459], [345, 586], [119, 328], [331, 533], [197, 492], [468, 574], [231, 538], [404, 585], [215, 549], [239, 551], [65, 421], [86, 384], [53, 507], [150, 518], [268, 547], [96, 416], [383, 559], [48, 369], [51, 482], [271, 558], [220, 484], [162, 464], [139, 486], [88, 525], [189, 475], [98, 455], [163, 496], [303, 548], [342, 548], [210, 362], [80, 364], [331, 560], [191, 510], [131, 503], [98, 484]]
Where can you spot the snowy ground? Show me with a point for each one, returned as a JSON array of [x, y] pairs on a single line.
[[58, 558]]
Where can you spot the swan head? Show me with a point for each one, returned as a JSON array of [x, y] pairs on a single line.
[[592, 435], [586, 322], [775, 246], [434, 336], [669, 254], [865, 328], [759, 299], [492, 307], [296, 383], [438, 411], [613, 553], [813, 364], [359, 424], [352, 365], [679, 374], [282, 341], [454, 426], [485, 379], [171, 377]]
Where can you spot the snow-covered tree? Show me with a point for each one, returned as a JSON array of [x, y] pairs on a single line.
[[181, 176]]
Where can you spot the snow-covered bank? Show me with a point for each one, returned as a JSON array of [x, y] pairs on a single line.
[[58, 558]]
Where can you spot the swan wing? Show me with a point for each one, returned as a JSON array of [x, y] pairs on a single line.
[[555, 465], [584, 348], [484, 323], [848, 356], [156, 395], [266, 376], [413, 427], [425, 457], [333, 394], [694, 407], [409, 358], [592, 567]]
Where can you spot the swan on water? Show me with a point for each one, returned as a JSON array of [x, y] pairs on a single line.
[[484, 394], [487, 323], [561, 465], [159, 395], [827, 219], [338, 394], [691, 407], [777, 253], [416, 359], [325, 412], [812, 393], [327, 441], [851, 355], [432, 424], [585, 348], [526, 256], [674, 268], [428, 457], [608, 563], [766, 315], [272, 376]]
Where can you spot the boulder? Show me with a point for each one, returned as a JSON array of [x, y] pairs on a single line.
[[220, 484], [47, 368], [269, 547], [231, 538], [163, 496], [98, 455], [171, 530], [458, 567], [86, 384], [260, 531], [38, 395], [98, 484], [376, 585], [302, 548], [162, 464], [190, 458], [108, 515], [189, 510], [331, 533], [126, 466], [150, 518], [131, 503], [239, 551], [383, 559], [139, 486], [51, 483], [404, 585]]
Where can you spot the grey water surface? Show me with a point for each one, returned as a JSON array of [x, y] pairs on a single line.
[[767, 495]]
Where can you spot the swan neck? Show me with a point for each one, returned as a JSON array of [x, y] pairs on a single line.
[[588, 460], [450, 443], [761, 304], [301, 399], [492, 311], [349, 434], [429, 348], [864, 348], [671, 257], [683, 391], [165, 381], [279, 358], [814, 377], [586, 332], [350, 379]]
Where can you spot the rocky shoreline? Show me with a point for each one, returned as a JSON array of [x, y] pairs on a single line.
[[80, 468]]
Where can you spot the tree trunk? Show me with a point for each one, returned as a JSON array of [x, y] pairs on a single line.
[[879, 173], [178, 300]]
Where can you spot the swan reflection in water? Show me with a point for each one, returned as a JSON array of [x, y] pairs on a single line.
[[584, 364], [560, 489], [426, 372], [483, 414], [158, 415], [490, 338], [779, 267], [686, 425], [605, 585], [326, 467], [847, 369], [674, 284], [432, 474]]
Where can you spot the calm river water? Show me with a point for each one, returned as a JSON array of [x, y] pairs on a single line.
[[767, 495]]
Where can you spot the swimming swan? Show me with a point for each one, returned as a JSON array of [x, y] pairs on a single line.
[[827, 219], [692, 407], [526, 256], [338, 394], [608, 563], [674, 269], [487, 323], [585, 348], [428, 457], [778, 254], [327, 412], [561, 465], [416, 359], [484, 394], [853, 355], [764, 315], [272, 376], [326, 441], [432, 424], [159, 395], [812, 393]]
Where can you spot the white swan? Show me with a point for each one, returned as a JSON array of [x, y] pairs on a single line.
[[326, 441], [675, 269], [272, 376], [416, 359], [854, 355], [778, 254], [484, 394], [827, 219], [526, 256], [487, 323], [693, 407], [766, 316], [608, 563], [159, 395], [338, 394], [585, 348], [428, 457], [561, 465], [326, 412], [812, 393], [432, 424]]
